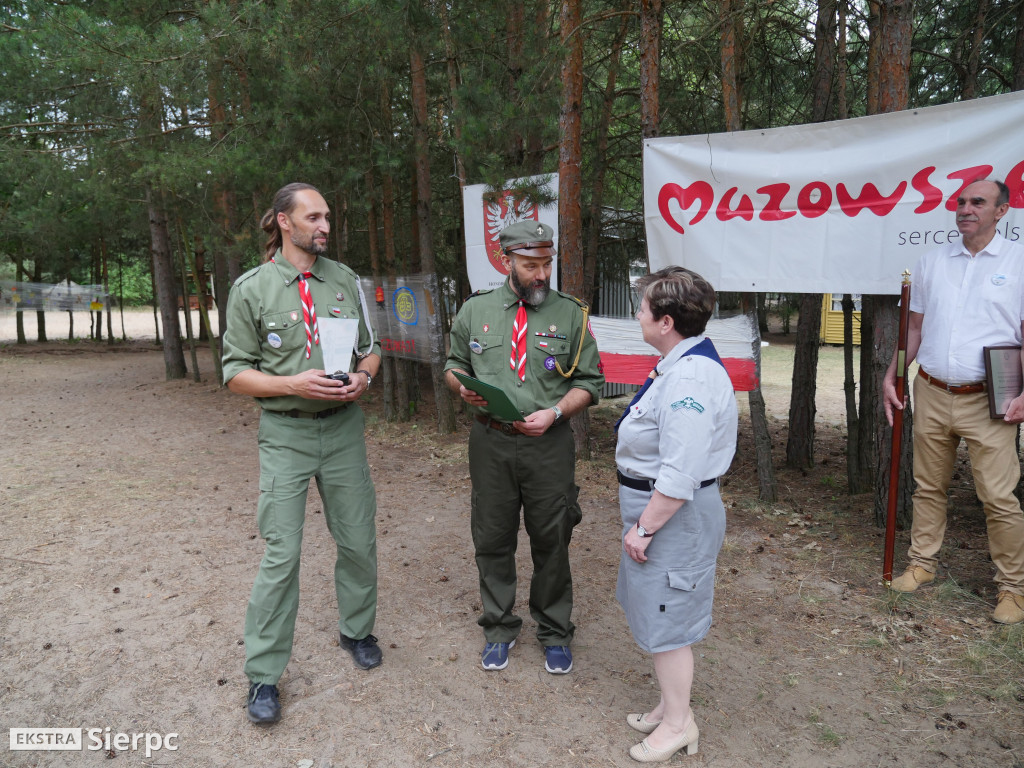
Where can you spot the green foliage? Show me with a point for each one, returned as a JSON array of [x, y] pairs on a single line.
[[213, 105], [130, 283]]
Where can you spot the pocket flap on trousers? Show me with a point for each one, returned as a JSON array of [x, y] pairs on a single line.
[[687, 579]]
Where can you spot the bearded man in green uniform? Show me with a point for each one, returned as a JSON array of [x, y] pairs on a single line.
[[535, 345], [310, 426]]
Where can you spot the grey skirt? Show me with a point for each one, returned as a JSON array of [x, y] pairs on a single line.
[[668, 599]]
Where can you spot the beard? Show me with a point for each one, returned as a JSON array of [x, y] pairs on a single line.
[[533, 294], [308, 244]]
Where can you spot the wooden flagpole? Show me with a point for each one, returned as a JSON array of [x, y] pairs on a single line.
[[897, 430]]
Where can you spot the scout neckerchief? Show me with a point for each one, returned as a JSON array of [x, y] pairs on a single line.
[[705, 349], [308, 312], [517, 362]]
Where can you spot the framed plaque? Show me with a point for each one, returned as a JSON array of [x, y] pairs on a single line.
[[1003, 378]]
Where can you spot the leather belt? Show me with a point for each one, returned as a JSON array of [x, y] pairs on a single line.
[[504, 427], [295, 413], [638, 484], [953, 389]]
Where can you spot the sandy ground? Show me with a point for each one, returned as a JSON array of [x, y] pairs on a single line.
[[130, 544]]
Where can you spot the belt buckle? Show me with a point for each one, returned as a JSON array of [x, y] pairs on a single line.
[[507, 428]]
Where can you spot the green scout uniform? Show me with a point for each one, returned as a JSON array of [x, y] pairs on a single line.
[[265, 331], [510, 470]]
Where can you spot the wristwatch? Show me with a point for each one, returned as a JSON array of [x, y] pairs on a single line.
[[558, 413], [643, 532], [369, 378]]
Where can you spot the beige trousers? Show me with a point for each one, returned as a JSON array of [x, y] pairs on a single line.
[[940, 420]]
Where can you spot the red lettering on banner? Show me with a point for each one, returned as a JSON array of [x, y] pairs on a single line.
[[772, 210], [1015, 181], [808, 207], [399, 345], [930, 194], [725, 211], [967, 176], [685, 196], [870, 198], [816, 197]]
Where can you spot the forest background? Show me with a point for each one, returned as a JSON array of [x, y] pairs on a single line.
[[141, 141]]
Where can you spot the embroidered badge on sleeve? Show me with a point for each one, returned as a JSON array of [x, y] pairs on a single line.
[[688, 402]]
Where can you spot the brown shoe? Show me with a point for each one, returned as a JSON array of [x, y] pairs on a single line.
[[1009, 608], [912, 578]]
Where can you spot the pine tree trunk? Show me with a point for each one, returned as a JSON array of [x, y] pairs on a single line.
[[19, 316], [886, 334], [867, 450], [973, 65], [570, 178], [766, 486], [226, 269], [854, 475], [387, 388], [166, 293], [600, 163], [458, 119], [442, 398], [800, 444], [895, 28], [37, 277], [106, 288], [651, 18], [1018, 50], [732, 100], [842, 65]]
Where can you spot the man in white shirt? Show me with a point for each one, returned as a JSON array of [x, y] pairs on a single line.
[[966, 296]]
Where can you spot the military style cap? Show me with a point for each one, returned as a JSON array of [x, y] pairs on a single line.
[[526, 234]]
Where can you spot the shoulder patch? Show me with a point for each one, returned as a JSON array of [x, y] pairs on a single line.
[[689, 403], [481, 292]]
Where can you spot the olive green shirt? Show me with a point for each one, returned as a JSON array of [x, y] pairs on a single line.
[[481, 345], [265, 329]]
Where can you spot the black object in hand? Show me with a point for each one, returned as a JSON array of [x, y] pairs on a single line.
[[340, 376]]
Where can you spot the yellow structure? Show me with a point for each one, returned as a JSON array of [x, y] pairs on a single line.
[[832, 318]]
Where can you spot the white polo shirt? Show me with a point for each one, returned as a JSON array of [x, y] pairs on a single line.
[[968, 303]]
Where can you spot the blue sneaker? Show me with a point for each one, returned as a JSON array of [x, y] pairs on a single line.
[[557, 659], [495, 655]]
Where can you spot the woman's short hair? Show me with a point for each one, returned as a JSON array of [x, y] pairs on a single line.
[[284, 202], [681, 294]]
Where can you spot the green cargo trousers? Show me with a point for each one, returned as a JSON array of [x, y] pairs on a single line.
[[292, 451], [535, 474]]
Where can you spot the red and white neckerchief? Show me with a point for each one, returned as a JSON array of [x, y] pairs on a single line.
[[308, 312], [517, 362]]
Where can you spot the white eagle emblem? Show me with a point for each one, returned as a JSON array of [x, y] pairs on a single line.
[[499, 216]]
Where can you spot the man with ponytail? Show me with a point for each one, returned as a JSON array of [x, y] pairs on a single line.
[[310, 426]]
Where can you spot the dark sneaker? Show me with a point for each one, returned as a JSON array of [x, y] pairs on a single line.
[[365, 652], [264, 705], [495, 655], [557, 659]]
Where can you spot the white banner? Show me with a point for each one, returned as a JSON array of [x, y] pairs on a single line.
[[484, 220], [840, 207], [47, 297]]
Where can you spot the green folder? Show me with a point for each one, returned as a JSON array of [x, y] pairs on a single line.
[[498, 403]]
